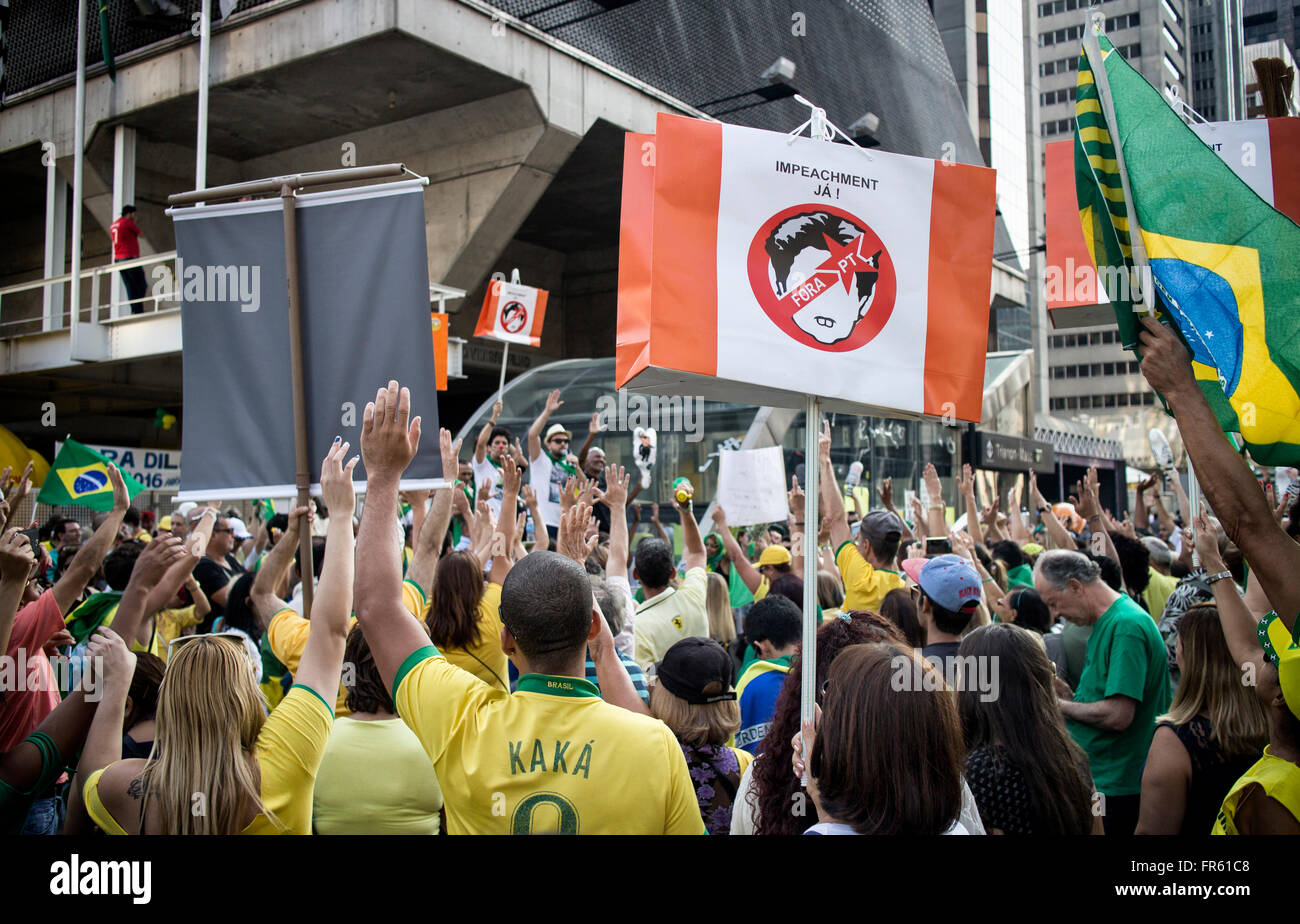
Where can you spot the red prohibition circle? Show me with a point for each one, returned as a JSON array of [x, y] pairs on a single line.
[[513, 317], [781, 309]]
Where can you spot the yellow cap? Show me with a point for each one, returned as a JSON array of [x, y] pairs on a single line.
[[1281, 649], [774, 555]]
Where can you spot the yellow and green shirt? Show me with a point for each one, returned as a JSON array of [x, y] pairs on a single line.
[[1280, 780], [289, 750], [865, 587], [551, 758]]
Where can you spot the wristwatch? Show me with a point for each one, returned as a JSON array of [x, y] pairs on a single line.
[[1217, 576]]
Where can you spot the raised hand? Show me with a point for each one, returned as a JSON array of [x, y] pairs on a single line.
[[529, 495], [616, 482], [336, 481], [795, 498], [1166, 364], [450, 454], [596, 426], [158, 556], [389, 435], [14, 494], [121, 496], [719, 517], [966, 482], [886, 492], [110, 661], [553, 402], [933, 486], [654, 513], [510, 477], [17, 558], [571, 542], [496, 411], [824, 442], [1207, 542], [569, 495]]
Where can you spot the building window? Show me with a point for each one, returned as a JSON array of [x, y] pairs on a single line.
[[1173, 13], [1107, 368], [1096, 368], [1110, 401], [1072, 403], [1094, 338], [1148, 398], [1070, 372], [1083, 371], [1122, 400], [1173, 69], [1108, 336]]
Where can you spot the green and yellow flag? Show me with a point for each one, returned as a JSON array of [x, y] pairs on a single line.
[[79, 475], [1221, 260]]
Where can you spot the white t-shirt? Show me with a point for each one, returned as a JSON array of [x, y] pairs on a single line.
[[487, 482], [547, 480]]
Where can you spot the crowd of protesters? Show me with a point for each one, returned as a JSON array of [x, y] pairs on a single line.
[[510, 654]]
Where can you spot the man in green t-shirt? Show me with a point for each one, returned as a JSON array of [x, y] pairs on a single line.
[[1124, 684]]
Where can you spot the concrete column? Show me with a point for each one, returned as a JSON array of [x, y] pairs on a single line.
[[56, 246], [123, 194]]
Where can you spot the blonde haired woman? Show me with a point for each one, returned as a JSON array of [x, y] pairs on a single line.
[[722, 620], [219, 764], [695, 697]]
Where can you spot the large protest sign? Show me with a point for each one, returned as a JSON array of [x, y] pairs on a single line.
[[1264, 153], [751, 486], [761, 268], [365, 319]]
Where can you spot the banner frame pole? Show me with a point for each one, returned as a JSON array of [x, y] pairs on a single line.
[[808, 650], [505, 352], [302, 474]]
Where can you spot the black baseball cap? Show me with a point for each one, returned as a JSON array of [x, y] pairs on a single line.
[[698, 670]]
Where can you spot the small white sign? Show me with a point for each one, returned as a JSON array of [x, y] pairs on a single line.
[[752, 486]]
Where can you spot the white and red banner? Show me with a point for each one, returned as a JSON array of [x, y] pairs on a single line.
[[513, 313], [1264, 153], [762, 268]]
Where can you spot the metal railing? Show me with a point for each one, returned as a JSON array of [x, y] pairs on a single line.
[[100, 311]]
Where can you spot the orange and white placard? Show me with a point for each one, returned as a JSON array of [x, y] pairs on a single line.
[[513, 313], [440, 323], [761, 268]]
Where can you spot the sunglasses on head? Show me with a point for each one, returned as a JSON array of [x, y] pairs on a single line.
[[182, 640]]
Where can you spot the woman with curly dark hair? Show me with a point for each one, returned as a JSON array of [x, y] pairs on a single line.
[[766, 803]]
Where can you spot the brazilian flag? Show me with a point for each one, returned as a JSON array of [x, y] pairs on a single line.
[[79, 476], [1222, 261]]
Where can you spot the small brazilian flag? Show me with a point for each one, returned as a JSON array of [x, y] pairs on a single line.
[[79, 476], [1222, 260]]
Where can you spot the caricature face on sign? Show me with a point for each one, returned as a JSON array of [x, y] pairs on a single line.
[[514, 317], [822, 276]]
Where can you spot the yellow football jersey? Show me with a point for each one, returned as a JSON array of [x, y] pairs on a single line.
[[551, 758]]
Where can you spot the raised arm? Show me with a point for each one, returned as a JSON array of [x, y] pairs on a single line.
[[266, 603], [17, 559], [693, 552], [1140, 514], [504, 538], [113, 666], [178, 575], [748, 573], [541, 538], [1058, 535], [592, 429], [966, 486], [553, 404], [428, 541], [1239, 624], [1228, 484], [832, 497], [322, 660], [389, 440], [1019, 531], [91, 555], [936, 515], [480, 444], [158, 557], [614, 497]]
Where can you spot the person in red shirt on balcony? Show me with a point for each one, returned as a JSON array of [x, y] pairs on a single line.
[[126, 246]]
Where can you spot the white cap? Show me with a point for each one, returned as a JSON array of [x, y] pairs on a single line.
[[239, 530], [184, 509]]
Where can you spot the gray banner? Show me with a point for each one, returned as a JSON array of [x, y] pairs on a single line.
[[365, 320]]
